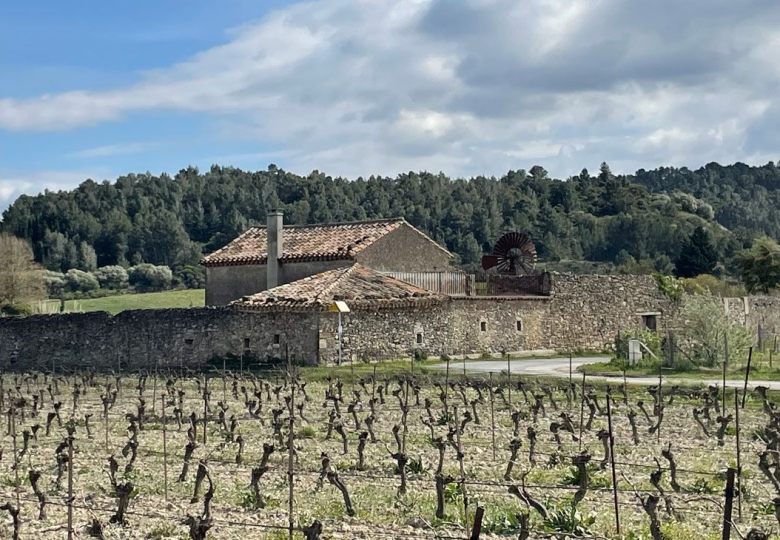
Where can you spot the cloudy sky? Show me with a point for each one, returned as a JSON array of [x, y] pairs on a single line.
[[354, 87]]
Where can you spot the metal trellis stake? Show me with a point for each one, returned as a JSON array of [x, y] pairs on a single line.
[[612, 464]]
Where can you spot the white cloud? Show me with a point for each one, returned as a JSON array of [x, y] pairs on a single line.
[[14, 185], [357, 87], [114, 150]]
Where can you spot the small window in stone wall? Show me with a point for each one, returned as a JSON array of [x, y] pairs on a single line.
[[246, 343], [483, 326], [519, 325], [419, 339], [650, 322], [277, 339], [189, 342]]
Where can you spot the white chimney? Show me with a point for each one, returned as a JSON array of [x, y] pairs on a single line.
[[274, 241]]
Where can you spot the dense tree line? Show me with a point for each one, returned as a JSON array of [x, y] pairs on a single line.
[[642, 220]]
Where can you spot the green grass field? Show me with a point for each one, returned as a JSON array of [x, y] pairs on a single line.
[[115, 304]]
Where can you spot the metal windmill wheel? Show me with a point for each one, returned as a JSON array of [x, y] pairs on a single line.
[[514, 253]]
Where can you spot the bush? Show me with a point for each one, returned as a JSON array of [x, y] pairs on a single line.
[[80, 281], [55, 283], [112, 277], [191, 276], [670, 286], [420, 355], [15, 310], [148, 277], [704, 326], [708, 284]]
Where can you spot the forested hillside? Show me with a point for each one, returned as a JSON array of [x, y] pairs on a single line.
[[602, 218]]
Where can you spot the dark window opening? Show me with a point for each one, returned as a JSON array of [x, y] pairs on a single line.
[[277, 339], [419, 338], [189, 342], [519, 326], [246, 343], [650, 322], [483, 326]]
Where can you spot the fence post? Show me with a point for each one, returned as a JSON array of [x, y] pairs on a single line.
[[291, 450], [165, 448], [492, 416], [154, 390], [729, 504], [747, 376], [462, 474], [70, 487], [509, 381], [612, 464], [739, 454], [582, 407], [477, 523], [205, 408], [16, 457]]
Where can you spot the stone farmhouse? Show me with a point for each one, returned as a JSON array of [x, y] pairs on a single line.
[[266, 257], [404, 296], [270, 295]]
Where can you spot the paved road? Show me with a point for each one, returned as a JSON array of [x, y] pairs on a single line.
[[559, 367]]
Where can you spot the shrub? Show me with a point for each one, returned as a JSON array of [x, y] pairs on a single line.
[[112, 277], [567, 519], [420, 355], [15, 310], [704, 326], [80, 281], [191, 276], [307, 432], [148, 277], [670, 286], [55, 283], [708, 284]]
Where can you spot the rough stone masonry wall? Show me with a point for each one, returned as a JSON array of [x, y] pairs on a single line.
[[760, 314], [141, 338], [385, 334], [585, 313], [589, 310]]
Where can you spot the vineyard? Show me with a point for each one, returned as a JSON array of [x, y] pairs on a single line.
[[169, 455]]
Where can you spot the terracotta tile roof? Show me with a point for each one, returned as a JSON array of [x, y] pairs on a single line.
[[358, 286], [302, 243]]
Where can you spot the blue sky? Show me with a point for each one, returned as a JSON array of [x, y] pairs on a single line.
[[94, 89]]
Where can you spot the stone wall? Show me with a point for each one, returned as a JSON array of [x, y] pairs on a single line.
[[501, 285], [589, 310], [385, 334], [760, 314], [141, 338], [584, 312]]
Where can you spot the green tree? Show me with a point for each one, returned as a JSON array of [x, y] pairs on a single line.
[[80, 281], [697, 256], [704, 327], [112, 277], [759, 266], [87, 257]]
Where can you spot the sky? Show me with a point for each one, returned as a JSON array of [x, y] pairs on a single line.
[[96, 89]]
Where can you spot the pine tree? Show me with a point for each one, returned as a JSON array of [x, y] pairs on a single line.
[[697, 255]]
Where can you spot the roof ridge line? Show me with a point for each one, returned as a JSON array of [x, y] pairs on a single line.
[[336, 223], [336, 281]]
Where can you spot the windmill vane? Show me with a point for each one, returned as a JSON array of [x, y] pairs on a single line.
[[514, 253]]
